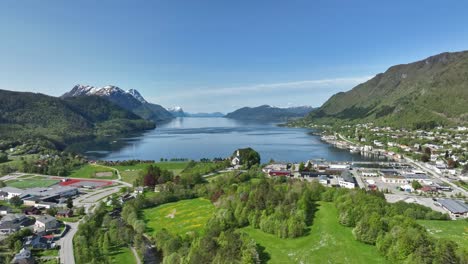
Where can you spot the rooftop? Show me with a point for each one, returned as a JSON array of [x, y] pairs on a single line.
[[454, 206]]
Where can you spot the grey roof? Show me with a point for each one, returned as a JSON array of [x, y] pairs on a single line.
[[4, 208], [9, 189], [10, 225], [454, 206], [46, 219], [415, 176], [347, 177], [13, 218]]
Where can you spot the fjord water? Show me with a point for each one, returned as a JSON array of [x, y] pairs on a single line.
[[196, 138]]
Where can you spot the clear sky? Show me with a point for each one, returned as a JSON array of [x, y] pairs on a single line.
[[220, 55]]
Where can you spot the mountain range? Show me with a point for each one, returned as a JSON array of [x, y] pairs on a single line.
[[62, 120], [130, 100], [426, 93], [179, 112], [269, 113]]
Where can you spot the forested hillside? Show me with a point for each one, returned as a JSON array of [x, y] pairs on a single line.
[[426, 93], [28, 115]]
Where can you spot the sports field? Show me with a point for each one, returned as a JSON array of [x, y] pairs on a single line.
[[31, 183], [453, 230], [93, 172], [180, 217], [327, 242]]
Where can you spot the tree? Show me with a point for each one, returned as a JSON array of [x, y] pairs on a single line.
[[425, 158], [248, 157], [16, 201], [51, 211], [80, 210], [301, 166], [428, 151], [445, 252], [70, 203], [3, 157], [416, 185]]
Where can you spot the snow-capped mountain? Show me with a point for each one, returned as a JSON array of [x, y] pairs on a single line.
[[137, 95], [176, 111], [108, 90], [131, 100]]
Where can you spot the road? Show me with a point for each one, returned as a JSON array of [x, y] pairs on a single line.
[[66, 245], [437, 176], [87, 201]]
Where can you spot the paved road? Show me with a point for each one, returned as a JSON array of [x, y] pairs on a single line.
[[437, 176], [66, 245], [87, 201]]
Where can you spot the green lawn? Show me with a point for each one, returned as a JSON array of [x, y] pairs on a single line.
[[327, 242], [180, 217], [122, 255], [129, 173], [31, 183], [89, 171], [453, 230]]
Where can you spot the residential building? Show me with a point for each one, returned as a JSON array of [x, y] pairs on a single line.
[[346, 180], [4, 210], [46, 222], [23, 257]]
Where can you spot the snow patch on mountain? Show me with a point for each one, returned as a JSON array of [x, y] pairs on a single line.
[[108, 90]]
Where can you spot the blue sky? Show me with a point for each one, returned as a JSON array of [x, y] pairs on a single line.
[[220, 55]]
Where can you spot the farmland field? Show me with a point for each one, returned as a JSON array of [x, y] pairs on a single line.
[[328, 241], [89, 171], [31, 183], [180, 217], [453, 230]]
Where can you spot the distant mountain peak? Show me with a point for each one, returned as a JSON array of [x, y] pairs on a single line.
[[175, 109], [108, 90], [136, 95], [131, 100]]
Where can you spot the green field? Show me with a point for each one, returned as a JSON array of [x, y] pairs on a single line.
[[129, 173], [453, 230], [327, 242], [89, 171], [31, 183], [122, 255], [180, 217]]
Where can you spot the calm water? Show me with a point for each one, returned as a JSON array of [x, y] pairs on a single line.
[[196, 138]]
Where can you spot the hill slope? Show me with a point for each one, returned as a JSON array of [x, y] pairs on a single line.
[[131, 100], [269, 113], [63, 120], [420, 94]]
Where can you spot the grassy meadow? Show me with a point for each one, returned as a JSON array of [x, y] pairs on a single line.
[[180, 217], [122, 255], [453, 230], [129, 173], [327, 242]]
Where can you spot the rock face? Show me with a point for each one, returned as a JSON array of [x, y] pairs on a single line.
[[131, 100], [269, 113], [420, 94]]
